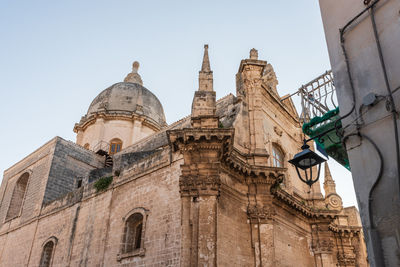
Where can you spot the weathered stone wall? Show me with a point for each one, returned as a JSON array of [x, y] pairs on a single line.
[[37, 165], [52, 170], [234, 244], [287, 239], [17, 245], [280, 127], [91, 230], [292, 238], [58, 225], [157, 193], [88, 225], [69, 162]]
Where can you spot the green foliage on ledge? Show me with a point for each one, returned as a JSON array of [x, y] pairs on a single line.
[[103, 183]]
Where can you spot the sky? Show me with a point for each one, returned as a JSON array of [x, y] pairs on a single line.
[[56, 56]]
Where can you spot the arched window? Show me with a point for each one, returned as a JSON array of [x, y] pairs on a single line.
[[115, 146], [133, 233], [277, 156], [47, 253], [86, 146], [17, 197], [132, 242]]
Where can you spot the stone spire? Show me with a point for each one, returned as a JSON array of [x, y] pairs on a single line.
[[328, 175], [205, 67], [204, 100], [134, 76], [329, 183], [205, 75]]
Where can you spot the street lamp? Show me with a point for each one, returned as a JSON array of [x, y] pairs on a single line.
[[306, 160]]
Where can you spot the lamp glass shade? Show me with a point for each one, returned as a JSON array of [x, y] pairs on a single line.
[[306, 159]]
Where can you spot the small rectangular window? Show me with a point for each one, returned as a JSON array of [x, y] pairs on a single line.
[[115, 146]]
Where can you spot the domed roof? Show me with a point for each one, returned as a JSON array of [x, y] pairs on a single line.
[[127, 98]]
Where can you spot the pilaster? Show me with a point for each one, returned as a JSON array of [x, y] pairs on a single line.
[[261, 213], [348, 252], [249, 89], [203, 151], [322, 243]]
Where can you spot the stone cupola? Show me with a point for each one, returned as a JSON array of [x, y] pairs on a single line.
[[125, 112]]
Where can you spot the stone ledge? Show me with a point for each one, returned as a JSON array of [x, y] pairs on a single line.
[[137, 252]]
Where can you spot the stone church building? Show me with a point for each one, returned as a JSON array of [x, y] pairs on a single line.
[[212, 189]]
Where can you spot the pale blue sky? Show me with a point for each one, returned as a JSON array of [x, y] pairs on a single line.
[[56, 56]]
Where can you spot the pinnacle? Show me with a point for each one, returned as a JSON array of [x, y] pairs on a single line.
[[328, 176], [205, 67], [205, 74]]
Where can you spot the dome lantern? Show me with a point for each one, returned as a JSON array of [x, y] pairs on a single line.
[[134, 76]]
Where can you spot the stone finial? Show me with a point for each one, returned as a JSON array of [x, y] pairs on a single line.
[[205, 74], [134, 76], [253, 54], [135, 67]]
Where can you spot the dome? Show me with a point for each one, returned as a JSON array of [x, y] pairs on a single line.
[[127, 98], [124, 113]]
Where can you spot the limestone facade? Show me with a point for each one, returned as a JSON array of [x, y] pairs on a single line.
[[213, 189]]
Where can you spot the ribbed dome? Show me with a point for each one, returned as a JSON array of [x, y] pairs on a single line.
[[128, 98]]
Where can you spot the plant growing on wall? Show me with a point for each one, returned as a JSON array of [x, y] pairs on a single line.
[[103, 183]]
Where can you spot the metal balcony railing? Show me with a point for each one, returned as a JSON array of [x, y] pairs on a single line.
[[318, 97], [320, 116], [101, 146]]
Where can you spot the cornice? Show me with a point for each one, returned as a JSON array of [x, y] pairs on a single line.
[[237, 162], [300, 205], [195, 134], [232, 159], [181, 138], [344, 229], [86, 121], [255, 62]]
